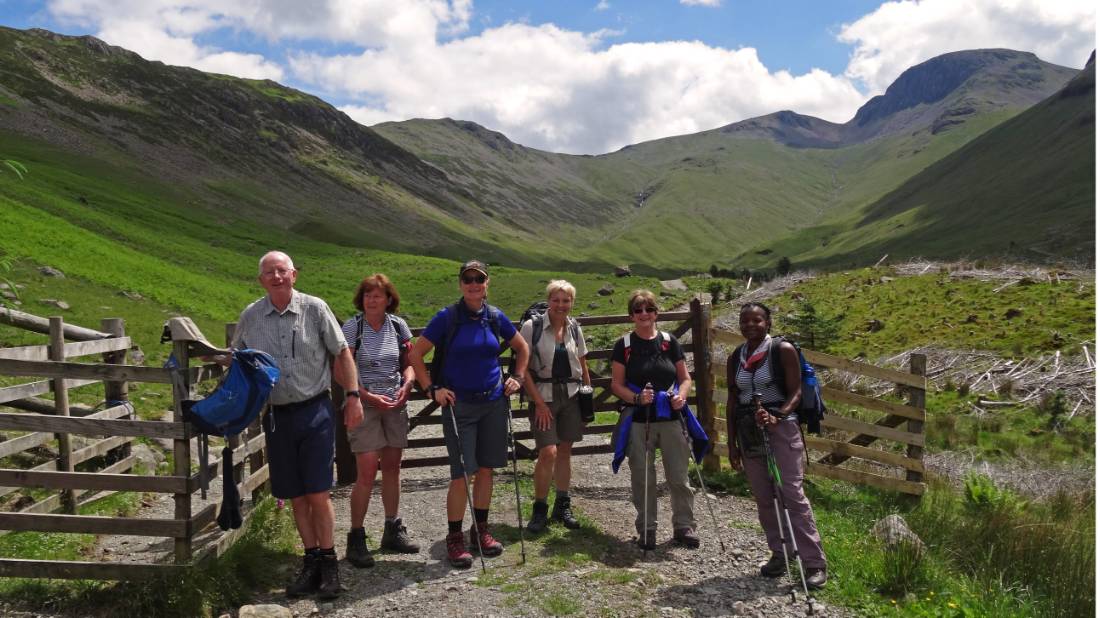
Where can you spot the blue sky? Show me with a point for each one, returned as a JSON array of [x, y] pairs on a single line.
[[572, 76]]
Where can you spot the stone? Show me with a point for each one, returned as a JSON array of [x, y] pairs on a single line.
[[131, 295], [269, 610], [1013, 313], [873, 326], [147, 456], [894, 533], [606, 290], [60, 304], [591, 305], [622, 271], [50, 271], [8, 295]]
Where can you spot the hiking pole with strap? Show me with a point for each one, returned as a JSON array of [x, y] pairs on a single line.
[[699, 475], [645, 492], [466, 482], [777, 500], [515, 482]]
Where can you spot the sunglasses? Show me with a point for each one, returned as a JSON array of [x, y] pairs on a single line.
[[638, 310], [474, 279]]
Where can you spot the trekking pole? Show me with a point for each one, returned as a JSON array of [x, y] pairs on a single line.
[[515, 482], [466, 483], [777, 500], [645, 492], [699, 475]]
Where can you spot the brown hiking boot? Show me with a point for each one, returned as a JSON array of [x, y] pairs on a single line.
[[456, 551], [816, 578], [308, 579], [357, 553], [776, 566], [330, 577], [686, 537], [489, 546], [396, 538]]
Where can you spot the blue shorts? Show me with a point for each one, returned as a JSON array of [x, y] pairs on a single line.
[[300, 447], [483, 429]]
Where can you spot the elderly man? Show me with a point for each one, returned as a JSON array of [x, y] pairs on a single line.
[[302, 334]]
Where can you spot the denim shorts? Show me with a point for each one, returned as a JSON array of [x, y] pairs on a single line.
[[482, 435], [300, 447]]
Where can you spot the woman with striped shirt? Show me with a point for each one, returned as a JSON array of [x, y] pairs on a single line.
[[380, 343], [759, 403]]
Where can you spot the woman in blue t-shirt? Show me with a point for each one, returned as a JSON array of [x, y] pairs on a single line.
[[474, 394]]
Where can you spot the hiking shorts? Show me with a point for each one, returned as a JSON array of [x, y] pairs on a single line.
[[379, 429], [482, 435], [566, 424], [300, 447]]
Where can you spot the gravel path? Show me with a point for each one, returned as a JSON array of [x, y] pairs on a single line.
[[595, 571]]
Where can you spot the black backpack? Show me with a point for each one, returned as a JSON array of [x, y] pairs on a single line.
[[454, 313], [535, 314], [811, 410]]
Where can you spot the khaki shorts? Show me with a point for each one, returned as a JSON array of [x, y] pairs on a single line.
[[565, 426], [380, 428]]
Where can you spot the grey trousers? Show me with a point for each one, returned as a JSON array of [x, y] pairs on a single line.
[[789, 452], [675, 454]]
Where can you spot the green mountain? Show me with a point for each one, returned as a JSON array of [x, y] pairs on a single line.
[[141, 143], [1026, 188]]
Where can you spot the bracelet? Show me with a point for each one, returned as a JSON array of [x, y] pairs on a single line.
[[349, 394]]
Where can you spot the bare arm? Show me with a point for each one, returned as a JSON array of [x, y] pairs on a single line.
[[522, 352], [348, 378], [684, 379]]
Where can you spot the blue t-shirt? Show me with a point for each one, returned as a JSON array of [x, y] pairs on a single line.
[[472, 364]]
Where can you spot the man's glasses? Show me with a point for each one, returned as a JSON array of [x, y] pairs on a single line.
[[282, 272], [638, 310], [474, 279]]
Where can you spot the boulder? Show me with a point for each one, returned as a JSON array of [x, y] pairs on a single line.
[[893, 533], [264, 611], [606, 290], [50, 271], [622, 271], [60, 304]]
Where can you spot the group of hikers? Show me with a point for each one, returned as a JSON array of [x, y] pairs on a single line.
[[372, 356]]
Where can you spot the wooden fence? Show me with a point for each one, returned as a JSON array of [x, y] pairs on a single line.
[[845, 446], [59, 512]]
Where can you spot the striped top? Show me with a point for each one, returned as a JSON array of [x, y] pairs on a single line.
[[761, 380], [301, 339], [379, 357]]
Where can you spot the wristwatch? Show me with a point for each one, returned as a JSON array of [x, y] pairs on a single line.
[[351, 394]]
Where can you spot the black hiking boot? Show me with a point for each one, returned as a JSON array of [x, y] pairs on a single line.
[[396, 538], [538, 522], [776, 566], [357, 553], [308, 579], [330, 577], [564, 513], [648, 541]]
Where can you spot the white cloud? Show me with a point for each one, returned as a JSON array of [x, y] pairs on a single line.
[[602, 5], [556, 89], [901, 34], [711, 3]]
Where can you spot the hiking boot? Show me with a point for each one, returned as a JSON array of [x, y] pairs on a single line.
[[686, 537], [489, 546], [396, 538], [648, 542], [357, 553], [456, 551], [330, 577], [816, 578], [538, 522], [308, 579], [564, 514], [776, 566]]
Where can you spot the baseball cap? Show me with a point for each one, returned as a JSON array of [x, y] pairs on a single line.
[[477, 265]]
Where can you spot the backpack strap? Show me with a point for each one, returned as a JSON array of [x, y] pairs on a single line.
[[775, 364], [536, 334], [626, 349], [358, 336]]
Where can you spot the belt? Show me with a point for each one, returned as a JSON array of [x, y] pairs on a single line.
[[290, 407], [557, 380]]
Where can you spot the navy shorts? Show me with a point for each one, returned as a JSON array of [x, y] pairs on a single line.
[[300, 447], [483, 429]]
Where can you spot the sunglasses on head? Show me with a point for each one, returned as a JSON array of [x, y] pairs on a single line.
[[645, 310], [474, 279]]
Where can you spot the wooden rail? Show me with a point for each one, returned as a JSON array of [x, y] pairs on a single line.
[[847, 441]]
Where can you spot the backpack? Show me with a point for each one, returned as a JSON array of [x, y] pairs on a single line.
[[666, 341], [231, 408], [811, 409], [402, 346], [535, 314], [453, 313]]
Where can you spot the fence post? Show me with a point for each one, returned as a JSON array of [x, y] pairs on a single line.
[[234, 441], [117, 393], [181, 447], [61, 408], [704, 379], [918, 364]]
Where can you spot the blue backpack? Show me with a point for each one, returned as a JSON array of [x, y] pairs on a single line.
[[811, 410], [229, 410]]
